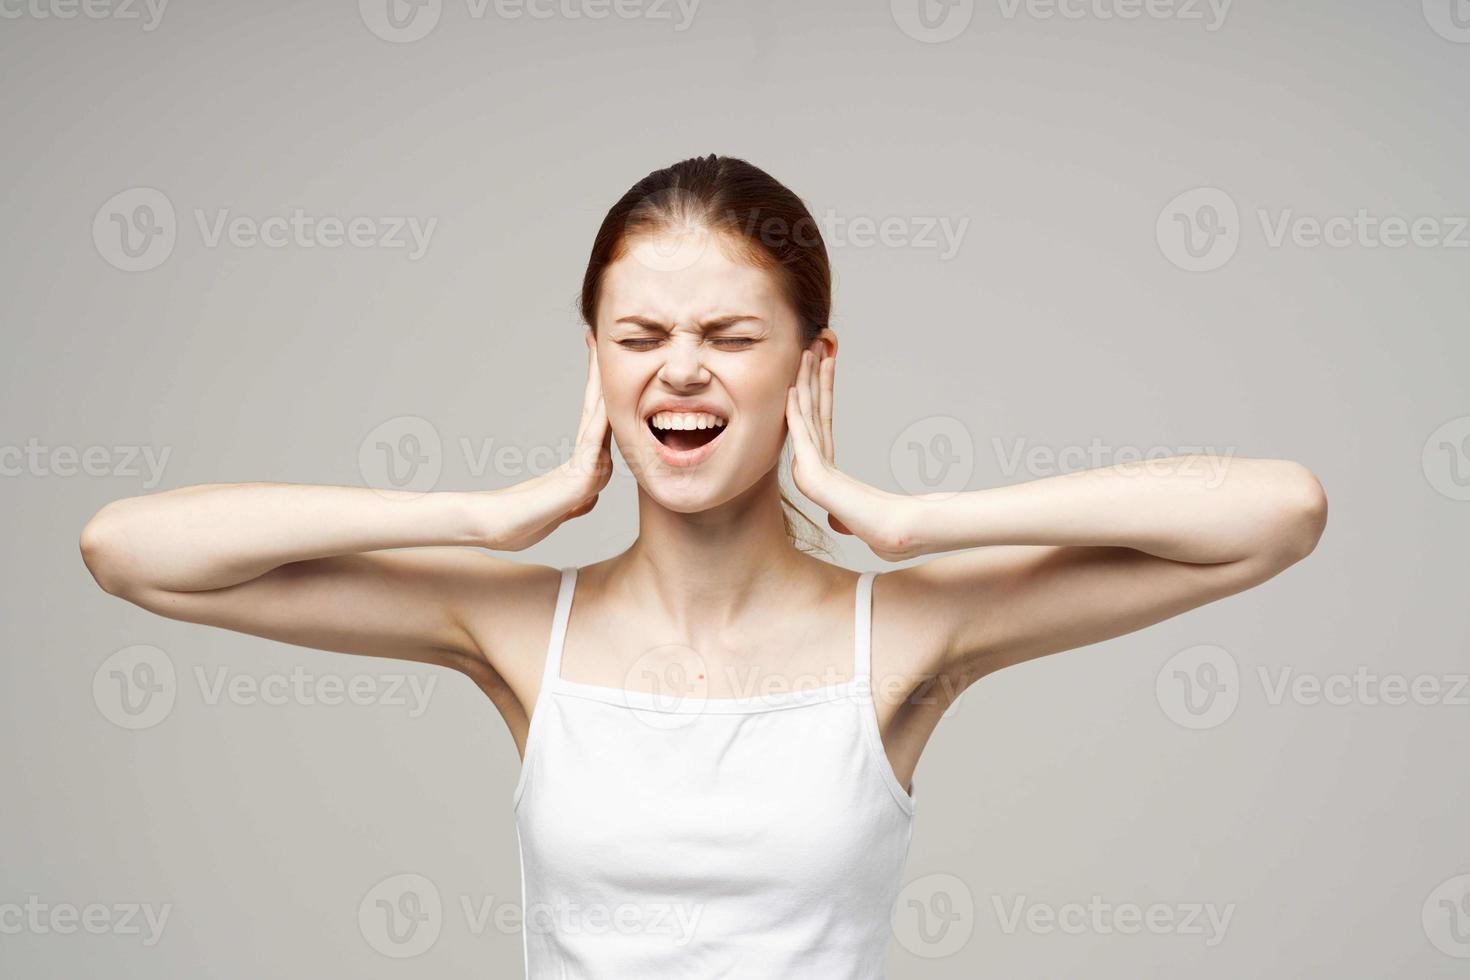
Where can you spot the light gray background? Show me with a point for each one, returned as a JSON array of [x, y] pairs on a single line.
[[1063, 321]]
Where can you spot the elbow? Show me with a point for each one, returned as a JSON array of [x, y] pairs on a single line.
[[103, 551], [1304, 514]]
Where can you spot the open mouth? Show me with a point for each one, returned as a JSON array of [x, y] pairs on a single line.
[[685, 431]]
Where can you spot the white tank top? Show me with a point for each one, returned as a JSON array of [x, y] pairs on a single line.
[[759, 838]]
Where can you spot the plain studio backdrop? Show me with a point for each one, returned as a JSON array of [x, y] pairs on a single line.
[[340, 243]]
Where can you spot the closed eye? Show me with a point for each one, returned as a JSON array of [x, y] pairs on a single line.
[[724, 343]]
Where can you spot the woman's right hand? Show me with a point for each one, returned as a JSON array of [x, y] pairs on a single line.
[[527, 512]]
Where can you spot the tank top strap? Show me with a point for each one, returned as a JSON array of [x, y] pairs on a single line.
[[559, 625], [862, 633]]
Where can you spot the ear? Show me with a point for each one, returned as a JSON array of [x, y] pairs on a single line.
[[825, 344], [591, 338]]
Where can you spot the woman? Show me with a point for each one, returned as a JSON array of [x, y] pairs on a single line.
[[684, 783]]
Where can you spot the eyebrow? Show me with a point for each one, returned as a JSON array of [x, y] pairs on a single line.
[[716, 323]]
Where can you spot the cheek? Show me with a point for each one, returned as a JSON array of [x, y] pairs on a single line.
[[763, 404]]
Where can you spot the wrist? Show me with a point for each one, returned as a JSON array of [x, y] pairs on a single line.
[[919, 530], [473, 516]]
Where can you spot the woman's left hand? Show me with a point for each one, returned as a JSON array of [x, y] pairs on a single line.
[[881, 520]]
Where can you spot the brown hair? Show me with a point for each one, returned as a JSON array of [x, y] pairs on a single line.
[[748, 210]]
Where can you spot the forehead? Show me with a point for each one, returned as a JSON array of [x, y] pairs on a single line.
[[684, 280]]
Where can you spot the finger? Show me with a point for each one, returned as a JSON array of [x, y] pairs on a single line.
[[804, 387], [812, 375], [596, 440], [824, 406], [795, 424], [591, 392]]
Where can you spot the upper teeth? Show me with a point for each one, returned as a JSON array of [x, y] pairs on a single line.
[[686, 420]]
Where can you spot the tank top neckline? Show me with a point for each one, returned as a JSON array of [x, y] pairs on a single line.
[[857, 686]]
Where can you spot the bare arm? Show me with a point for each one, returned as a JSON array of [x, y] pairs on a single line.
[[300, 564], [323, 566], [1082, 557]]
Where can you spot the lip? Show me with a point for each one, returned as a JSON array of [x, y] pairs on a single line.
[[685, 457]]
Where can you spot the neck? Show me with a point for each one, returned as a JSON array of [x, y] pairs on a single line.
[[707, 569]]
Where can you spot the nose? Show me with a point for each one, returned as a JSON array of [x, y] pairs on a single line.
[[684, 365]]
